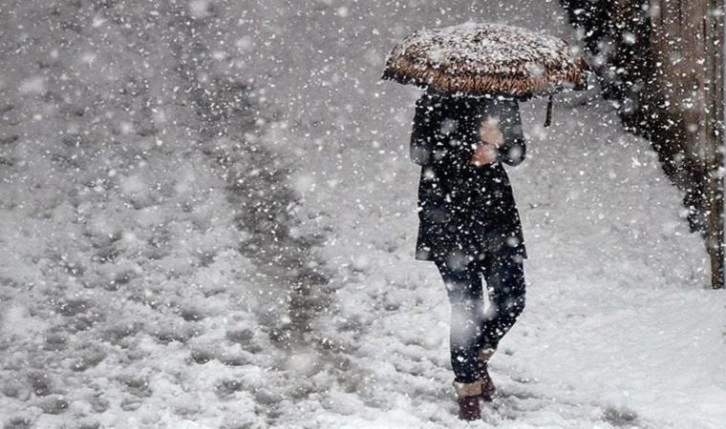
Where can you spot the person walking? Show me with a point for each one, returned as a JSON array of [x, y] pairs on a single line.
[[470, 227], [466, 125]]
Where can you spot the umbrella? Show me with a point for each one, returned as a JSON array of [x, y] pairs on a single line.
[[487, 59]]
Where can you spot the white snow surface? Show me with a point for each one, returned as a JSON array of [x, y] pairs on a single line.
[[128, 298]]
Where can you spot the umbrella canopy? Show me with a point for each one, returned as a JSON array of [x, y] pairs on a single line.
[[486, 59]]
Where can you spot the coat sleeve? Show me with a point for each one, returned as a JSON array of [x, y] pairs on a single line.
[[514, 148], [423, 135]]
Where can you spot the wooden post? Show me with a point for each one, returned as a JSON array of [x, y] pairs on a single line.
[[713, 32]]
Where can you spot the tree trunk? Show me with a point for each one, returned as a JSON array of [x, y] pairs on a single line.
[[713, 36]]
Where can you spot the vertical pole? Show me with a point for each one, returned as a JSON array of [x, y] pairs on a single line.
[[714, 98]]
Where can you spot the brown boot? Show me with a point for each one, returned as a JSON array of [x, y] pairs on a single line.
[[468, 395], [488, 388], [469, 409]]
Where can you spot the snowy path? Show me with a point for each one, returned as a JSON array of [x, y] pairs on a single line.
[[126, 299], [618, 331]]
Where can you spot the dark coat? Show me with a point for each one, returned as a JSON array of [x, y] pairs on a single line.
[[465, 211]]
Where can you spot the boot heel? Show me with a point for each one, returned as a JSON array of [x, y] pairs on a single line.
[[468, 395]]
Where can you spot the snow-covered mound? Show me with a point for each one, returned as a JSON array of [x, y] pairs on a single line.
[[139, 205]]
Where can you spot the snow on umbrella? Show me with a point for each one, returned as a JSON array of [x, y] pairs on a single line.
[[486, 59]]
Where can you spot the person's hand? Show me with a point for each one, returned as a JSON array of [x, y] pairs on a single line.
[[491, 137], [489, 131], [484, 154]]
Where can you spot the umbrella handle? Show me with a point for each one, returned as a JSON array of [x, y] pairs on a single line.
[[548, 119]]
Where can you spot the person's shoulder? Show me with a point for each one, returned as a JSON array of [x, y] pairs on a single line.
[[434, 102], [505, 101], [505, 106], [427, 98]]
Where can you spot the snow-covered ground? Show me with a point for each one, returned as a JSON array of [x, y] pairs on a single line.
[[154, 262]]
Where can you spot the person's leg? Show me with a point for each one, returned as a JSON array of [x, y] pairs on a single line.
[[504, 275], [464, 289]]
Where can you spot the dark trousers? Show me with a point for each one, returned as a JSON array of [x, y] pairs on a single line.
[[473, 328]]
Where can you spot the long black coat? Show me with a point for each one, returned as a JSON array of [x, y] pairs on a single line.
[[465, 211]]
